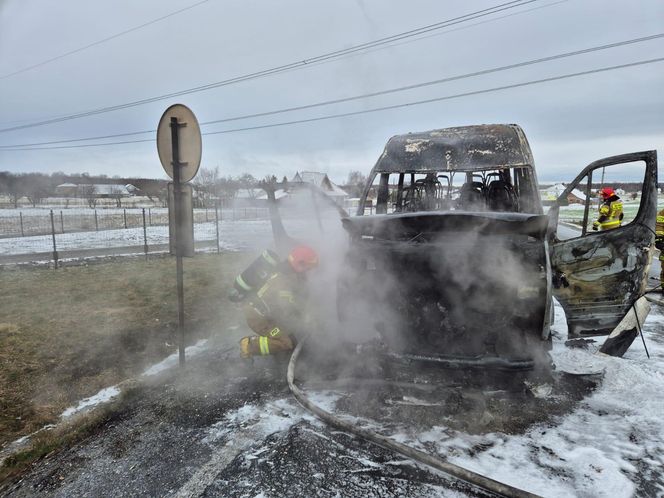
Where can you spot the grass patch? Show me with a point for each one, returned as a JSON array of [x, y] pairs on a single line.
[[66, 334], [47, 442]]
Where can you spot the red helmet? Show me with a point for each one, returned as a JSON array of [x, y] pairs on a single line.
[[606, 192], [303, 258]]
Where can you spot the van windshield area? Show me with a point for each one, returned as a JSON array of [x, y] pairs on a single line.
[[503, 190]]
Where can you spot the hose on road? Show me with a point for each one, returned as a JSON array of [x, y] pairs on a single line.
[[473, 478]]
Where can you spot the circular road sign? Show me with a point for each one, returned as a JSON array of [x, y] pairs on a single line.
[[189, 133]]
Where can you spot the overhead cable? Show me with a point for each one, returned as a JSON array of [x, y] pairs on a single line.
[[368, 95], [282, 68], [103, 40], [377, 109]]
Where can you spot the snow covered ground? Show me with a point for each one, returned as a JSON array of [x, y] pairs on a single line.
[[611, 445], [239, 235]]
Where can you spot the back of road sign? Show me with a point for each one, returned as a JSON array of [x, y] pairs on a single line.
[[189, 146]]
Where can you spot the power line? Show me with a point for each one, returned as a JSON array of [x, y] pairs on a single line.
[[383, 108], [286, 67], [103, 40], [372, 94]]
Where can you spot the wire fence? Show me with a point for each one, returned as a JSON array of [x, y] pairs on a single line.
[[54, 234]]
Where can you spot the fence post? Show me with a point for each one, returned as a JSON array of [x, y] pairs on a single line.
[[20, 217], [62, 223], [150, 216], [145, 237], [216, 217], [206, 214], [125, 217], [55, 250], [96, 222]]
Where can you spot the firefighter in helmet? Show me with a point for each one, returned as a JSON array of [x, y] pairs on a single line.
[[610, 210], [659, 244], [275, 311]]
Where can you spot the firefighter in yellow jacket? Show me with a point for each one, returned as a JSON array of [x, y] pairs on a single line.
[[659, 244], [277, 310], [610, 211]]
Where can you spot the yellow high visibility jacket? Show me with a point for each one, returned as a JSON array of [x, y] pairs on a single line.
[[659, 234], [610, 214], [659, 227]]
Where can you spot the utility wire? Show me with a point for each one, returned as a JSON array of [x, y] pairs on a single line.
[[103, 40], [368, 95], [286, 67], [379, 109]]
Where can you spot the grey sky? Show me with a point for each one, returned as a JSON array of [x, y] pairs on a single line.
[[569, 123]]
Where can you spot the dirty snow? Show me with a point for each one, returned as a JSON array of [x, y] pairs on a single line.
[[102, 396], [109, 393], [611, 445], [172, 360]]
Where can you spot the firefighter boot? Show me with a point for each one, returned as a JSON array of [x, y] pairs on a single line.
[[262, 345]]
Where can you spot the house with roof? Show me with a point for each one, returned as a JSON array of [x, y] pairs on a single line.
[[552, 193], [323, 182]]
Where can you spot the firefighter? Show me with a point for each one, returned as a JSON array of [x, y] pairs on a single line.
[[277, 310], [659, 244], [610, 211]]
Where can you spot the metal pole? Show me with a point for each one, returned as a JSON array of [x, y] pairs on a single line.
[[150, 216], [20, 217], [55, 250], [124, 213], [62, 223], [96, 222], [145, 237], [216, 217], [175, 137]]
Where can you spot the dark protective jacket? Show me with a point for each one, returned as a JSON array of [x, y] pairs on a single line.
[[282, 300]]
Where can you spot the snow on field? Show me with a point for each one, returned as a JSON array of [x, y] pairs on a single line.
[[233, 236], [240, 235]]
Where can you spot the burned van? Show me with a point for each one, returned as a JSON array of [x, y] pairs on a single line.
[[454, 261]]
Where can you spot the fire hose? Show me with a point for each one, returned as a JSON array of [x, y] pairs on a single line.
[[473, 478]]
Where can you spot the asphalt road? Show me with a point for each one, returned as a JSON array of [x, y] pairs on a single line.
[[225, 428]]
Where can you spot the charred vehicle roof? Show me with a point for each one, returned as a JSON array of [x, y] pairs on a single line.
[[452, 251]]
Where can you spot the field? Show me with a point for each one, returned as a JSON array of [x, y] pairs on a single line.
[[66, 334]]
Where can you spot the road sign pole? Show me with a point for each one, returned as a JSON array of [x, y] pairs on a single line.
[[179, 148], [175, 137]]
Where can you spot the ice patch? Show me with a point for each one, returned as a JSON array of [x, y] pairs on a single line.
[[172, 360], [101, 397]]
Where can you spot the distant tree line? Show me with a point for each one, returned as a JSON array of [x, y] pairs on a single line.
[[36, 187]]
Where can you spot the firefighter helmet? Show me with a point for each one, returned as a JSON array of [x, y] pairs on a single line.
[[303, 258], [606, 192]]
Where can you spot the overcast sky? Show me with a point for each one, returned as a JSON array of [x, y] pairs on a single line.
[[569, 122]]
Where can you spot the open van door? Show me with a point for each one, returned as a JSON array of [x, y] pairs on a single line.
[[598, 276]]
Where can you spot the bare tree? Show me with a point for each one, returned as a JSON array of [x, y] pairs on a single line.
[[355, 183], [89, 193], [206, 183], [117, 192], [36, 187], [14, 187]]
